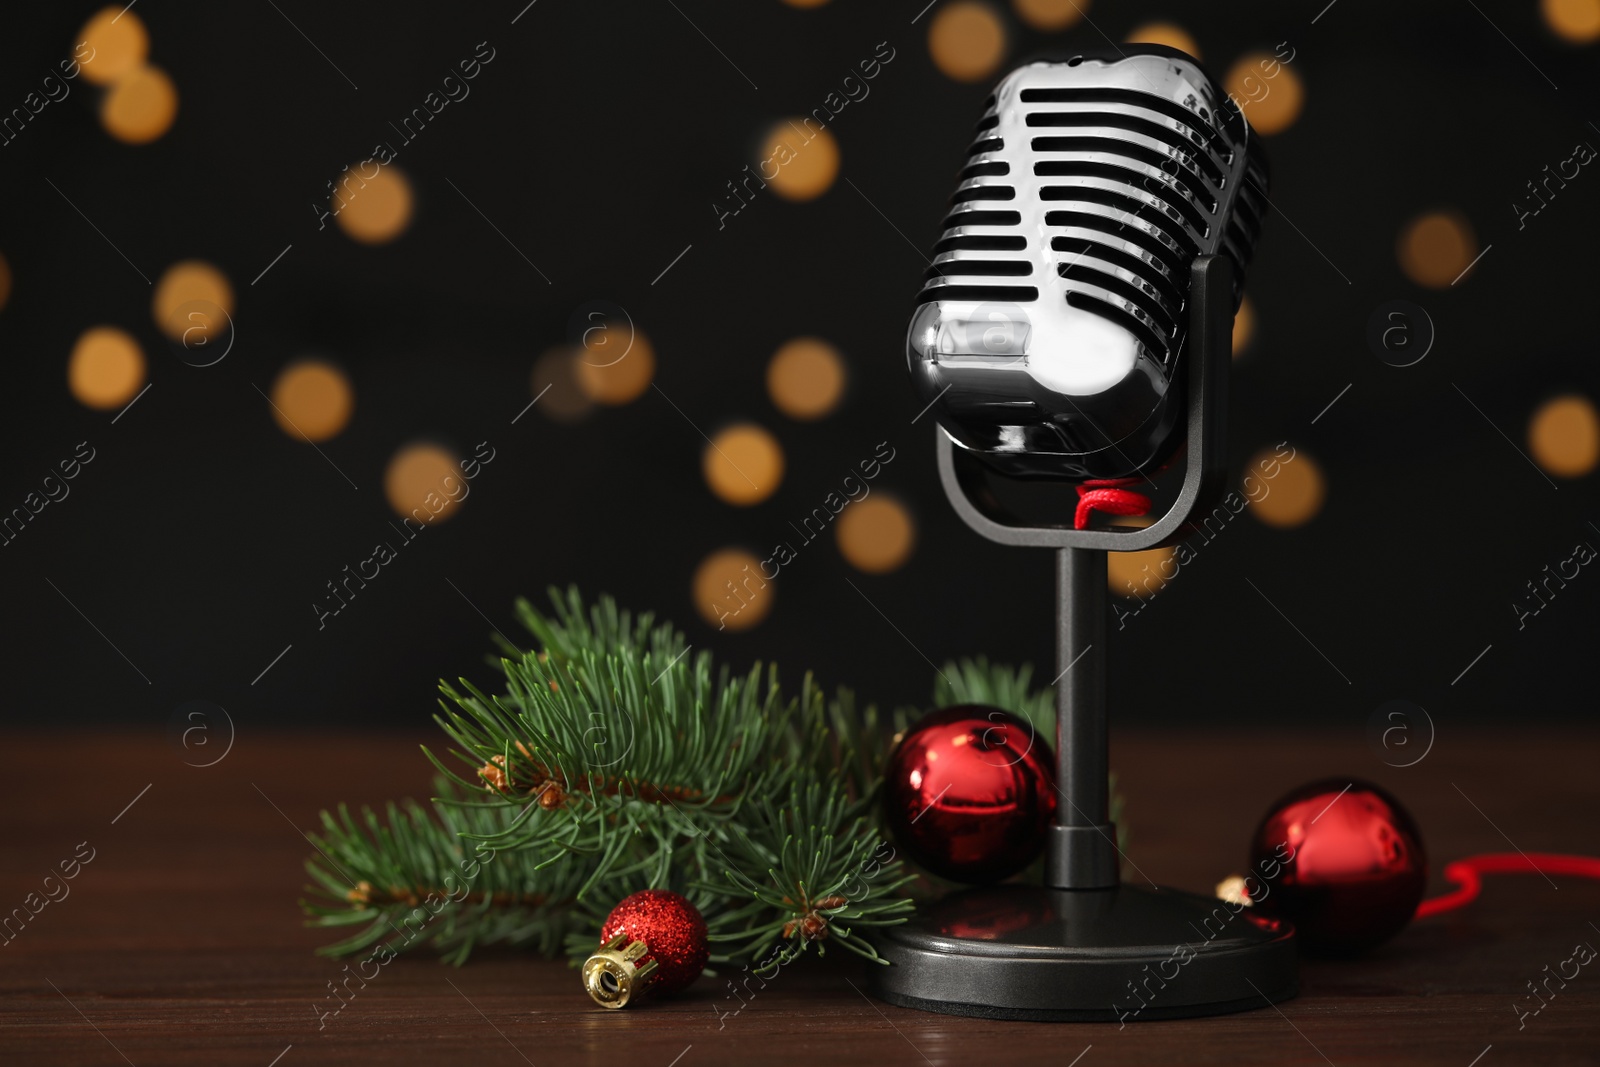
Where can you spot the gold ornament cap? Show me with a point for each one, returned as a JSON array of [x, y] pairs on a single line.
[[613, 976]]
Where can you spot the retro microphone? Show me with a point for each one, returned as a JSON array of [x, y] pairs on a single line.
[[1051, 323], [1074, 327]]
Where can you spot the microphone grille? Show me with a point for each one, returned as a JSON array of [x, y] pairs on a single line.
[[1107, 178]]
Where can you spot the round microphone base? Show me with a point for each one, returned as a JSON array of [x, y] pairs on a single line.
[[1127, 954]]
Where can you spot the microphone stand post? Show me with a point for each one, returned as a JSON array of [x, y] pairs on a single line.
[[1081, 852], [1083, 946]]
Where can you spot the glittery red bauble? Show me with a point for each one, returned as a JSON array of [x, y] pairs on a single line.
[[1342, 860], [671, 926], [969, 793]]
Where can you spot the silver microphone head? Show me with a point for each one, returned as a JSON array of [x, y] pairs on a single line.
[[1049, 327]]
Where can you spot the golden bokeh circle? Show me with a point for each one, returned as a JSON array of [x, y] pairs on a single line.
[[1435, 248], [188, 288], [141, 106], [372, 210], [1292, 497], [1244, 327], [729, 590], [106, 368], [616, 363], [1126, 573], [556, 388], [743, 464], [1168, 33], [118, 44], [876, 535], [1574, 20], [207, 338], [1050, 14], [424, 482], [799, 161], [967, 40], [1271, 104], [1564, 436], [805, 378], [312, 400]]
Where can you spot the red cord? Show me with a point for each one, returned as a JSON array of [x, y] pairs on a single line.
[[1466, 875], [1107, 494]]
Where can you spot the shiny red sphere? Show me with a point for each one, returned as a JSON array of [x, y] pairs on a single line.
[[969, 793], [1343, 861], [672, 927]]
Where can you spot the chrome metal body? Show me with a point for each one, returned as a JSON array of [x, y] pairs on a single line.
[[1051, 323]]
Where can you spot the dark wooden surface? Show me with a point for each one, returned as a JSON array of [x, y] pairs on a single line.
[[181, 941]]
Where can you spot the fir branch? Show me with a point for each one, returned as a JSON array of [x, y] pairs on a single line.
[[614, 762]]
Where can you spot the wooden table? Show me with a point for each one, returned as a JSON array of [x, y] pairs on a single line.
[[181, 941]]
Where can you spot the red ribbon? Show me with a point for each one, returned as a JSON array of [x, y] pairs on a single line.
[[1107, 495], [1467, 875]]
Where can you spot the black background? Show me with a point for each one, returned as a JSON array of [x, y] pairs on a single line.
[[597, 140]]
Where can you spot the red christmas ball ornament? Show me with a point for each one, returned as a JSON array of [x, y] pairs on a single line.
[[1342, 860], [969, 793], [653, 941]]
